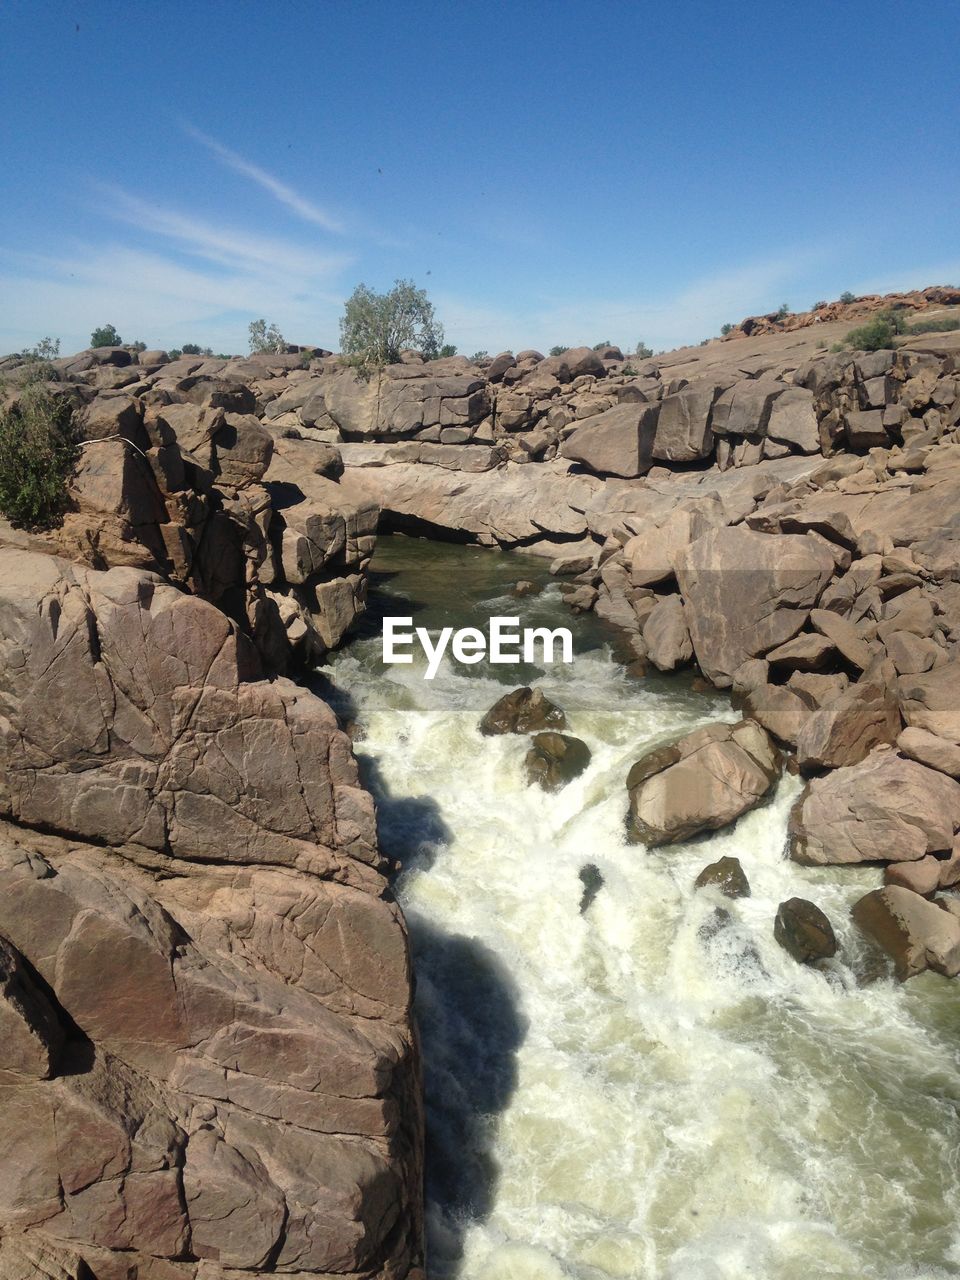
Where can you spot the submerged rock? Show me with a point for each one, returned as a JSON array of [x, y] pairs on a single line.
[[703, 782], [525, 710], [555, 759], [802, 929], [592, 882], [727, 875], [915, 933]]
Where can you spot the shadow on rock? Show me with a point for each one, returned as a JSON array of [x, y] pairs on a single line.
[[471, 1028]]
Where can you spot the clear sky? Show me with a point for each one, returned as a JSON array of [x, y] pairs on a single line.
[[549, 172]]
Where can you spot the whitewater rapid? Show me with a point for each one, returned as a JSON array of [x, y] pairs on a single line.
[[650, 1088]]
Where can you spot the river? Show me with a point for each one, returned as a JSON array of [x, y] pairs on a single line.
[[646, 1087]]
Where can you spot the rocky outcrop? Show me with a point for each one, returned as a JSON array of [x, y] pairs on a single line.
[[703, 782], [209, 1057], [885, 808]]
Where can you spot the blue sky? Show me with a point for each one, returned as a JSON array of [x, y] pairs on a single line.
[[550, 173]]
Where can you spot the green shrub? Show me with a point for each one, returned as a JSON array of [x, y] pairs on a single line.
[[105, 336], [598, 346], [629, 371], [376, 327], [190, 349], [847, 296], [38, 453], [725, 329], [446, 351], [877, 333], [175, 353], [263, 338], [642, 350], [783, 310], [558, 351], [46, 349], [479, 357], [950, 325]]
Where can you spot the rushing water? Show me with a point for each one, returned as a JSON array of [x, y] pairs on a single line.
[[645, 1089]]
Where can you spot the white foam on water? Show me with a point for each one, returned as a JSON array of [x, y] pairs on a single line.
[[670, 1095]]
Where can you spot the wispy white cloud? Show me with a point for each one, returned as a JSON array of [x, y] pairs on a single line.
[[293, 200], [232, 248], [151, 295], [664, 320]]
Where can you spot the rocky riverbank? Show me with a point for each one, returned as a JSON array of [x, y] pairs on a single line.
[[209, 1068], [210, 1064]]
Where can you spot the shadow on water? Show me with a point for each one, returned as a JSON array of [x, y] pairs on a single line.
[[467, 1010]]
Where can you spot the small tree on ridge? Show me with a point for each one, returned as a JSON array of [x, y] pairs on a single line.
[[376, 327]]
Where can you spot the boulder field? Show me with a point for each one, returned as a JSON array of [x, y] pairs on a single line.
[[208, 1061]]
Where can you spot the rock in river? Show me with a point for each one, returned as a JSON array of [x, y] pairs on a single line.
[[802, 929], [525, 710], [727, 875], [555, 759], [703, 782]]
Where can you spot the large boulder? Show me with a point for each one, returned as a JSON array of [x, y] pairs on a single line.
[[744, 409], [848, 727], [915, 933], [666, 635], [401, 401], [747, 592], [615, 443], [524, 710], [931, 701], [883, 809], [793, 420], [703, 782], [931, 750], [683, 432]]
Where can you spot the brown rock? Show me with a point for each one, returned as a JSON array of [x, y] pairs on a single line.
[[922, 876], [882, 809], [848, 727], [804, 931], [554, 759], [666, 636], [31, 1035], [722, 771], [793, 419], [926, 748], [525, 710], [915, 933], [747, 593], [843, 635], [615, 443], [932, 701], [780, 710], [727, 875], [683, 432]]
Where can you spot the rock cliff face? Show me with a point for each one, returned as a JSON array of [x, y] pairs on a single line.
[[208, 1064]]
